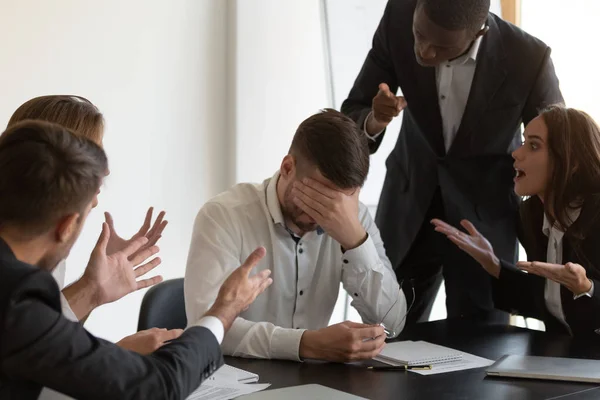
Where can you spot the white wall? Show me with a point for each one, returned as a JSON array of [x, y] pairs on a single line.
[[156, 69], [351, 26], [574, 57], [280, 79]]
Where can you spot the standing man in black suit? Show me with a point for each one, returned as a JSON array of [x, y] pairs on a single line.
[[468, 81], [48, 181]]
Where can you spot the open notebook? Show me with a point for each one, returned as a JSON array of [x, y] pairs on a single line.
[[416, 353]]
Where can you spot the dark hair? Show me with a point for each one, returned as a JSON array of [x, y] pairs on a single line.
[[574, 154], [336, 145], [46, 172], [73, 112], [455, 15]]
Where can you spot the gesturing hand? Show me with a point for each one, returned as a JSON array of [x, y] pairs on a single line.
[[473, 243], [335, 212], [240, 289], [386, 106], [114, 276], [153, 234], [571, 275]]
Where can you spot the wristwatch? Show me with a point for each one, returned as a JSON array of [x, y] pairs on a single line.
[[589, 293]]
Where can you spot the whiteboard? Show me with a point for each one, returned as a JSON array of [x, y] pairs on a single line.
[[349, 26]]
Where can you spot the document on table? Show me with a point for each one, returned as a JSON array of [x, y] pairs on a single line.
[[233, 374], [227, 384], [468, 361], [223, 390]]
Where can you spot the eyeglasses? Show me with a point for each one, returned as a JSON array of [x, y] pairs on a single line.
[[391, 333]]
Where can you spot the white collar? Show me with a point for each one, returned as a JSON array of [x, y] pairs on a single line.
[[474, 50], [471, 54], [273, 200], [572, 214]]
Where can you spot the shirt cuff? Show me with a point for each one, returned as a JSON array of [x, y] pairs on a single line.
[[371, 137], [214, 325], [365, 254], [285, 344], [66, 309], [589, 293]]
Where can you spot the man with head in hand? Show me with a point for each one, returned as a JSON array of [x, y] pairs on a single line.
[[468, 80], [48, 181], [317, 235]]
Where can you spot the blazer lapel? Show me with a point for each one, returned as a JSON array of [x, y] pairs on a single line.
[[490, 73]]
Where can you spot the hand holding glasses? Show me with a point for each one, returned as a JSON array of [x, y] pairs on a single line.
[[390, 333]]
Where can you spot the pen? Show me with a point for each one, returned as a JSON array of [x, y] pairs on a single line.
[[399, 367]]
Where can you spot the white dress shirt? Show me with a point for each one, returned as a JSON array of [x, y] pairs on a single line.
[[306, 273], [59, 274], [453, 81], [214, 325], [554, 256]]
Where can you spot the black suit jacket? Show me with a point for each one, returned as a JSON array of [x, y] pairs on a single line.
[[523, 294], [39, 347], [514, 78]]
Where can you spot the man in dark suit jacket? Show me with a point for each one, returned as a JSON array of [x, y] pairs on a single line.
[[468, 81], [48, 180]]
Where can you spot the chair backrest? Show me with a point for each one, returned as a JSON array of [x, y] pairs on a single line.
[[163, 306]]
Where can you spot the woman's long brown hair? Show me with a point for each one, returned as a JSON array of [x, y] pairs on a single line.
[[73, 112], [574, 150]]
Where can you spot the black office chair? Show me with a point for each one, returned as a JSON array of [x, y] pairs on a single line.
[[163, 306]]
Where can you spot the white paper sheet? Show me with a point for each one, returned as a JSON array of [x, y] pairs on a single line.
[[468, 361], [224, 375], [223, 390], [233, 375]]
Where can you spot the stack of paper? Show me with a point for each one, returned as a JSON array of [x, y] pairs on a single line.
[[228, 383]]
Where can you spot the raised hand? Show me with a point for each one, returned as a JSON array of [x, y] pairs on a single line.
[[473, 243], [385, 107], [572, 276], [240, 289], [152, 233], [112, 276]]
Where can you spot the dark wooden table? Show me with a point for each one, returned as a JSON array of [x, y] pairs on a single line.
[[489, 341]]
